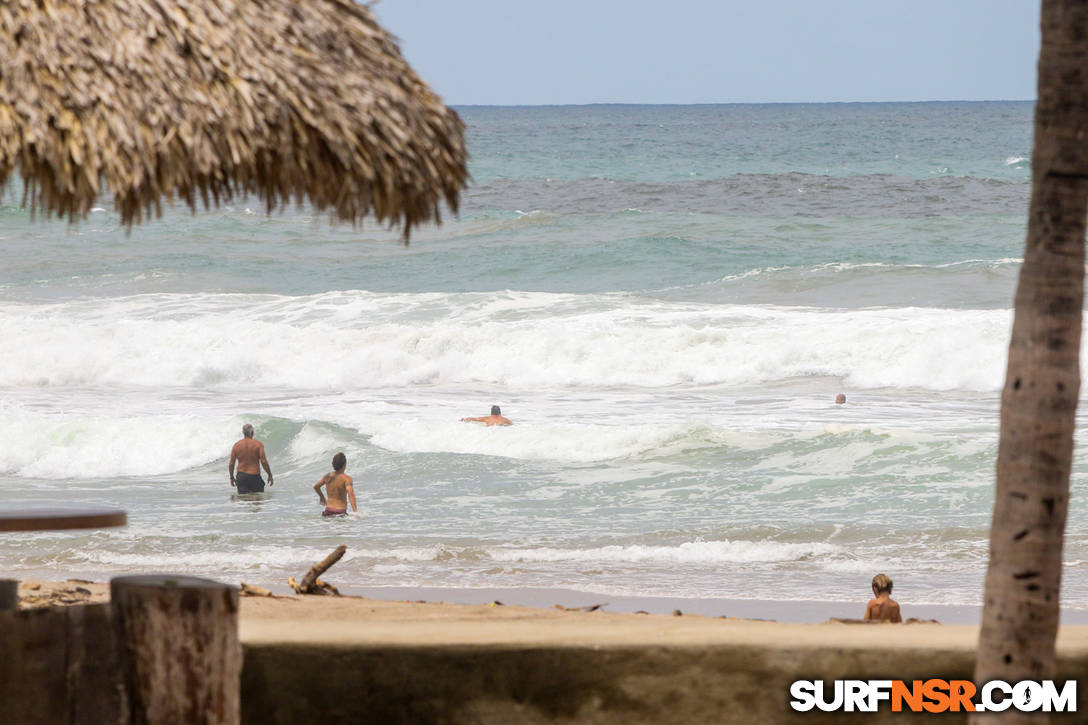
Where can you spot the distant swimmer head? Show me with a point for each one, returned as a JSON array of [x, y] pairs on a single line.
[[339, 461], [882, 583], [840, 398], [495, 410], [247, 430]]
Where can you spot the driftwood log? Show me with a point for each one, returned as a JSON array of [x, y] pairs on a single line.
[[251, 591], [310, 583], [589, 608], [179, 649]]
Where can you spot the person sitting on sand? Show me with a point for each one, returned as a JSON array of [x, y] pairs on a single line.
[[248, 453], [496, 418], [882, 608], [339, 487]]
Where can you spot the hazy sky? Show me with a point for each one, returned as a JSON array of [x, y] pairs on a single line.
[[718, 51]]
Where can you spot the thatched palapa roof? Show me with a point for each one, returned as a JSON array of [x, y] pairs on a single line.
[[202, 98]]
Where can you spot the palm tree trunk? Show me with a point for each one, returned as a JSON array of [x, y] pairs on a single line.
[[1042, 385]]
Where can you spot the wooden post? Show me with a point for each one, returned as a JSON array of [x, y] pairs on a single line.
[[9, 594], [60, 666], [179, 647]]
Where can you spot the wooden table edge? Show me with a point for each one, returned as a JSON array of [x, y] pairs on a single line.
[[47, 521]]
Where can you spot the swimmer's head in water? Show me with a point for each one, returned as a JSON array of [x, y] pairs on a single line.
[[882, 583], [247, 430], [840, 398], [339, 461], [495, 410]]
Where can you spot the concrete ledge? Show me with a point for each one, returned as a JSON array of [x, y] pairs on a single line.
[[493, 684], [352, 660]]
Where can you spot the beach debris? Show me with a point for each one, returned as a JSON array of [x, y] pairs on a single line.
[[590, 608], [496, 603], [677, 613], [849, 620], [327, 587], [35, 595], [310, 583], [318, 587], [642, 611], [80, 581], [251, 591]]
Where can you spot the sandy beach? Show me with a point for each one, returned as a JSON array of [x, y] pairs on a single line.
[[460, 616], [426, 659]]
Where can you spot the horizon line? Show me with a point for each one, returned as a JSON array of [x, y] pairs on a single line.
[[731, 103]]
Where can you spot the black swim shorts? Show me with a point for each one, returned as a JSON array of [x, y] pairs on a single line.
[[249, 482]]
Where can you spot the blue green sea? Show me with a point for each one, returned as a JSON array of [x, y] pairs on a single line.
[[664, 299]]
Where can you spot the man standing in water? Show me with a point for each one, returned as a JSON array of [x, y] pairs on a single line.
[[339, 487], [496, 418], [248, 453]]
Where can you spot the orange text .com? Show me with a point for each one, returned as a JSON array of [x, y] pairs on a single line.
[[933, 696]]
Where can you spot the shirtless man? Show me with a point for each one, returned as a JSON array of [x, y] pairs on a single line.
[[248, 453], [339, 487], [882, 608], [495, 418]]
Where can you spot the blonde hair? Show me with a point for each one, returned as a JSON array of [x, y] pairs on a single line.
[[882, 583]]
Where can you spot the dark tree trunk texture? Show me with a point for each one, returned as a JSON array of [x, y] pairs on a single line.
[[1042, 386]]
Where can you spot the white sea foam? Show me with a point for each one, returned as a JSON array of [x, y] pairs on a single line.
[[692, 552], [207, 559], [63, 446], [312, 442], [757, 272], [991, 263], [275, 560], [573, 442], [358, 340]]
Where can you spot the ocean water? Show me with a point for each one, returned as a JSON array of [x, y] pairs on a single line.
[[665, 299]]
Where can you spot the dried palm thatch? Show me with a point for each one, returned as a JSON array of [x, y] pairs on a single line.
[[165, 99]]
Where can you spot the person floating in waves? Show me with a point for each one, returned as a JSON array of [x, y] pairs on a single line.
[[496, 418]]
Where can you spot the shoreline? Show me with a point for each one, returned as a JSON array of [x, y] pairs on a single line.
[[440, 662], [799, 611], [55, 592], [792, 611]]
